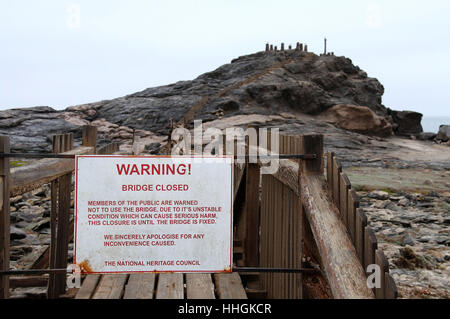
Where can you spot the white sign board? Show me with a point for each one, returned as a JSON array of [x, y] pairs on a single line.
[[153, 214]]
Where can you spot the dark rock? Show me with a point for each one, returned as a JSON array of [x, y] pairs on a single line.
[[444, 133], [433, 194], [408, 240], [16, 233], [408, 122], [379, 195], [45, 223], [426, 136], [153, 148]]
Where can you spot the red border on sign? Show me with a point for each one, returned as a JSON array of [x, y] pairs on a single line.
[[159, 271]]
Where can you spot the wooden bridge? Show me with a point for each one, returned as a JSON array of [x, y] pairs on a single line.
[[297, 234]]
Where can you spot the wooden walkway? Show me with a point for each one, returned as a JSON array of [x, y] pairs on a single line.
[[162, 286]]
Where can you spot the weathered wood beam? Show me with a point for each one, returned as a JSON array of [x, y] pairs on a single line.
[[29, 177], [340, 263], [339, 259]]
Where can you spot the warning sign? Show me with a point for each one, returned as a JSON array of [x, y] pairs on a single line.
[[153, 214]]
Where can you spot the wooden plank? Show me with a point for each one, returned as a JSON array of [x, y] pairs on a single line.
[[277, 236], [28, 281], [340, 263], [90, 137], [57, 282], [337, 169], [286, 232], [330, 156], [111, 287], [88, 287], [313, 143], [239, 177], [140, 286], [353, 205], [67, 142], [29, 177], [199, 286], [252, 215], [264, 227], [361, 223], [170, 286], [271, 239], [390, 291], [62, 143], [229, 286], [298, 228], [54, 187], [382, 262], [370, 246], [4, 216], [344, 187]]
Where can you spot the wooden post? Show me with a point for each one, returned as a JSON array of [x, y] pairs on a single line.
[[390, 291], [361, 223], [67, 142], [4, 216], [330, 173], [312, 144], [382, 262], [57, 282], [337, 169], [353, 205], [90, 136], [53, 222], [370, 246], [344, 188]]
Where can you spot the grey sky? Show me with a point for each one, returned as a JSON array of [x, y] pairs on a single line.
[[120, 47]]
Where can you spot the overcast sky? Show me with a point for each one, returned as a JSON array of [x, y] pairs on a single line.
[[62, 53]]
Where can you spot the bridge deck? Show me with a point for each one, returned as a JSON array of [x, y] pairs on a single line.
[[162, 286]]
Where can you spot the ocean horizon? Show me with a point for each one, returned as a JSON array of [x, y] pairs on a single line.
[[432, 123]]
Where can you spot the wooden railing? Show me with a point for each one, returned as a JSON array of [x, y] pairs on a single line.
[[58, 173], [301, 214], [362, 236]]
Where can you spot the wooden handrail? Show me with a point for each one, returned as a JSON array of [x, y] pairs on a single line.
[[29, 177]]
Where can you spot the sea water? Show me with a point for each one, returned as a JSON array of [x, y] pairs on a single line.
[[432, 123]]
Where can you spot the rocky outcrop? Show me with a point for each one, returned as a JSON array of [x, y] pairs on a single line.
[[358, 119], [266, 83], [444, 133], [407, 122]]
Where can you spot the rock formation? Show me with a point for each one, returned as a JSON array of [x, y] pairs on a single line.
[[444, 133], [359, 119], [265, 83]]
